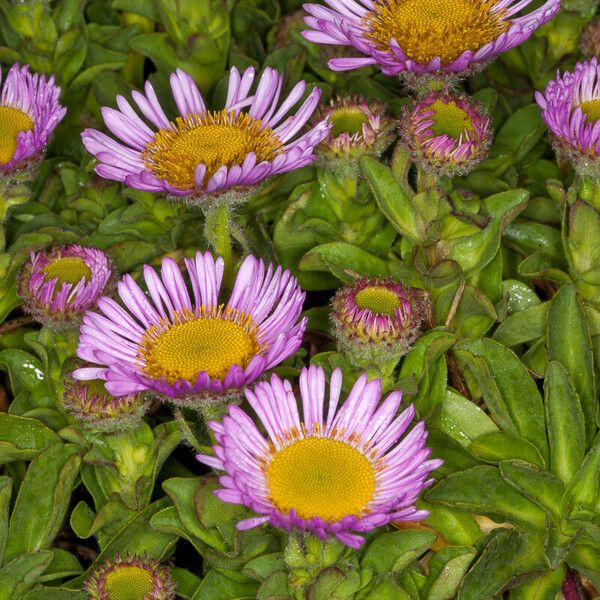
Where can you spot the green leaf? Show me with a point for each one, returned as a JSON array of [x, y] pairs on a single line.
[[275, 586], [47, 593], [426, 362], [565, 422], [496, 446], [216, 586], [5, 495], [261, 568], [586, 560], [342, 259], [393, 552], [509, 392], [541, 487], [473, 252], [186, 582], [523, 326], [82, 520], [21, 573], [446, 570], [386, 590], [462, 419], [198, 513], [520, 133], [584, 488], [325, 584], [457, 527], [569, 343], [22, 438], [43, 499], [508, 558], [25, 371], [63, 565], [544, 587], [393, 201], [482, 490]]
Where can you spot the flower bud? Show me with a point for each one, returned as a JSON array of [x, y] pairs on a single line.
[[375, 320], [446, 133], [58, 286], [134, 578]]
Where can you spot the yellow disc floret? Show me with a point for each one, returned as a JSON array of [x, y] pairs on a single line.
[[378, 299], [591, 110], [347, 120], [128, 582], [321, 477], [449, 119], [12, 122], [444, 28], [212, 342], [67, 269], [214, 139]]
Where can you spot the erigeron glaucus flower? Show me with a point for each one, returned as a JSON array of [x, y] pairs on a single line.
[[415, 36], [131, 578], [333, 470], [202, 151], [29, 113], [376, 320], [359, 127], [446, 133], [95, 409], [193, 349], [571, 110], [59, 285]]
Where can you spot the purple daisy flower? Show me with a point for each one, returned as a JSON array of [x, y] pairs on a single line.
[[193, 349], [333, 473], [60, 285], [571, 110], [447, 133], [446, 36], [375, 320], [29, 113], [206, 152]]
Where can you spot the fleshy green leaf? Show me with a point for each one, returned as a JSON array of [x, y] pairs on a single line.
[[569, 343], [566, 422], [482, 490], [43, 499], [509, 392], [393, 552], [509, 557]]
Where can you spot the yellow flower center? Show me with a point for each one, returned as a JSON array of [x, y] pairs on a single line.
[[321, 477], [378, 299], [449, 119], [444, 28], [12, 122], [128, 582], [212, 342], [67, 269], [214, 139], [591, 110], [347, 120]]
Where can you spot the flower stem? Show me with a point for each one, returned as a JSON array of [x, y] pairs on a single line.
[[217, 232], [426, 180]]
